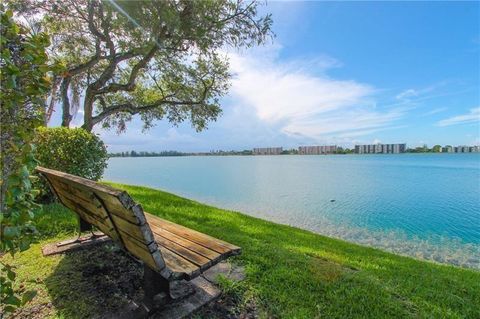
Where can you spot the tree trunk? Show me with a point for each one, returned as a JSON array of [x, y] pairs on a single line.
[[88, 110], [66, 116], [51, 105]]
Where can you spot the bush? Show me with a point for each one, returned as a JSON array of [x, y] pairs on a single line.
[[71, 150]]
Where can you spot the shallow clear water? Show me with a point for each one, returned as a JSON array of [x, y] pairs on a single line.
[[424, 205]]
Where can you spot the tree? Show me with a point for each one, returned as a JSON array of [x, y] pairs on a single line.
[[437, 148], [24, 86], [158, 59]]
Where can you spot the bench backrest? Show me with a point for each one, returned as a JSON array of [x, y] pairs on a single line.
[[110, 210]]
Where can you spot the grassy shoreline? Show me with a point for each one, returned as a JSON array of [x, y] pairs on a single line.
[[290, 273]]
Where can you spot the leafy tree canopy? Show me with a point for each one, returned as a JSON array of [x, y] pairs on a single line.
[[437, 148], [158, 59]]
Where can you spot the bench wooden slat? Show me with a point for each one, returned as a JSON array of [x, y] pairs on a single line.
[[188, 254], [116, 208], [180, 267], [85, 198], [142, 253], [86, 183], [139, 232], [208, 253], [152, 247], [79, 186], [103, 225], [77, 200], [197, 237]]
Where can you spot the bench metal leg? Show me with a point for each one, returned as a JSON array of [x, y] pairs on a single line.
[[156, 289], [84, 226]]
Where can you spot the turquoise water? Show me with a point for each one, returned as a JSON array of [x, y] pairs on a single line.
[[423, 205]]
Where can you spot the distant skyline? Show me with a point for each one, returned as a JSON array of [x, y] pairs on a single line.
[[343, 73]]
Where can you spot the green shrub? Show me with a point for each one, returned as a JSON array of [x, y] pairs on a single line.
[[71, 150]]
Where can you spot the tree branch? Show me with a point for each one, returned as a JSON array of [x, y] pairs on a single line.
[[87, 65], [130, 85], [132, 109], [93, 29]]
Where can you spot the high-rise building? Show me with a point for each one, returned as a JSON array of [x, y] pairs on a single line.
[[447, 149], [462, 149], [317, 150], [381, 148], [268, 151]]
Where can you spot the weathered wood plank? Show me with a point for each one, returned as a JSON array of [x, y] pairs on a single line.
[[88, 184], [104, 226], [181, 267], [90, 205], [78, 201], [82, 196], [189, 255], [152, 247], [111, 197], [178, 267], [197, 237], [141, 253], [140, 232], [115, 207], [208, 253]]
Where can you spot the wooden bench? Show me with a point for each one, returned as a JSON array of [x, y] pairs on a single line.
[[168, 251]]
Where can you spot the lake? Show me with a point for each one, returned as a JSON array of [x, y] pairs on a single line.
[[422, 205]]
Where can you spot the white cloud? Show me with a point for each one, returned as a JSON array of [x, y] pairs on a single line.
[[471, 117], [421, 94], [407, 94], [303, 100], [435, 111]]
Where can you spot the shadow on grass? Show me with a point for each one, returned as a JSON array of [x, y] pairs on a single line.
[[94, 283]]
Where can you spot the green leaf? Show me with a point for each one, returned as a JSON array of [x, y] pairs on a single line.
[[24, 171], [12, 300], [28, 296], [10, 232], [14, 180], [24, 245], [11, 275], [9, 309]]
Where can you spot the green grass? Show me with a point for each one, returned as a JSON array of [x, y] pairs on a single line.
[[290, 273]]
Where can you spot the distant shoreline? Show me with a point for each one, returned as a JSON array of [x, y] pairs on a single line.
[[252, 155]]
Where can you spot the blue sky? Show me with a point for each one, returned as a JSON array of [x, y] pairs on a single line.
[[344, 73]]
